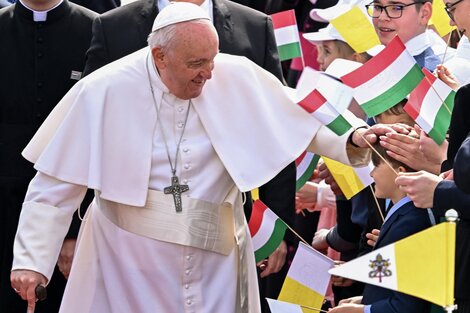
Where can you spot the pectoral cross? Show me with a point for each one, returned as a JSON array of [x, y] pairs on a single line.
[[176, 190]]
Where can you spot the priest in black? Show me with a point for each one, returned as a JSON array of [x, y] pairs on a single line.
[[42, 53]]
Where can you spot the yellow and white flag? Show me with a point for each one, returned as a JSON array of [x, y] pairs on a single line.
[[307, 279], [285, 307], [421, 265], [350, 179]]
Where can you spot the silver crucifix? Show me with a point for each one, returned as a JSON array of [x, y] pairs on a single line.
[[176, 190]]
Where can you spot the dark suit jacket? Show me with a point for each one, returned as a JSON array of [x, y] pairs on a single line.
[[447, 195], [462, 166], [406, 221], [98, 6]]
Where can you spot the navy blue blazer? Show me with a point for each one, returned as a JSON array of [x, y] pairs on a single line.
[[406, 221]]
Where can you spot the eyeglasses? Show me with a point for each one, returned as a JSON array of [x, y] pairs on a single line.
[[450, 8], [392, 10]]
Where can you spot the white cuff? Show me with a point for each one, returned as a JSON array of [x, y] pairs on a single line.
[[41, 232]]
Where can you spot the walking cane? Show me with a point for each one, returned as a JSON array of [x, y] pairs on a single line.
[[41, 294]]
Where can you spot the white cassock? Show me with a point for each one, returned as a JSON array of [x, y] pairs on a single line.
[[240, 133]]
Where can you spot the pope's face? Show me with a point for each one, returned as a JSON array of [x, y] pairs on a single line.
[[188, 62]]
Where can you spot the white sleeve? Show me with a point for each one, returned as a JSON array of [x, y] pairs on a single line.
[[44, 221], [325, 197]]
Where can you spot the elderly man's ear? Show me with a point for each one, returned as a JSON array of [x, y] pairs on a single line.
[[158, 57]]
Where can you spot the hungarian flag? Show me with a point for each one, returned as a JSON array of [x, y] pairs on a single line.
[[267, 230], [287, 35], [430, 105], [306, 164], [421, 265], [308, 278], [325, 112], [386, 79]]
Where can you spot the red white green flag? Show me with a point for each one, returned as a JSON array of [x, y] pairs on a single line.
[[386, 79], [315, 104], [287, 35], [430, 105], [306, 164], [267, 230]]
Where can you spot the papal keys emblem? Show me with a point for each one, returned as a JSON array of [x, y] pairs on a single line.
[[379, 268]]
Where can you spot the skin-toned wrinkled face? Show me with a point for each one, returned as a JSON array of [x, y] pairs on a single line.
[[460, 11], [413, 21], [187, 63]]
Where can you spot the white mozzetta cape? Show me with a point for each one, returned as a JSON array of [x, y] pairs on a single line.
[[100, 134]]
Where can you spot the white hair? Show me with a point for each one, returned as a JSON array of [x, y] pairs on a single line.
[[163, 37]]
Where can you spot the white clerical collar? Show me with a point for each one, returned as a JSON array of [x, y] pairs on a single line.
[[418, 44], [206, 5], [40, 16]]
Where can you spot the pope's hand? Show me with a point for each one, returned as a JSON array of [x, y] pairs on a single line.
[[24, 282], [361, 136]]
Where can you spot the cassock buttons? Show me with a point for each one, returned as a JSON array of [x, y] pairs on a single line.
[[40, 54], [38, 100], [180, 124], [189, 302], [187, 166], [186, 286], [39, 40], [39, 84]]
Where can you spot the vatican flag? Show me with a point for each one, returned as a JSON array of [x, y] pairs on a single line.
[[421, 265]]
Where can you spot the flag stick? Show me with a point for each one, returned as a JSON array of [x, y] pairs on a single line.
[[300, 237], [373, 149], [438, 95], [447, 46], [377, 203]]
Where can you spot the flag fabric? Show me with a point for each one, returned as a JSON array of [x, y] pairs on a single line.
[[421, 265], [325, 98], [384, 80], [267, 230], [325, 112], [351, 180], [307, 279], [356, 29], [287, 35], [277, 306], [440, 20], [306, 164], [430, 105]]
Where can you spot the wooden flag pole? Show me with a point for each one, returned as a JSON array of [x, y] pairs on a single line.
[[377, 203], [373, 149]]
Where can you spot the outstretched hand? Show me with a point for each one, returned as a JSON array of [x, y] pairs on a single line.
[[362, 136]]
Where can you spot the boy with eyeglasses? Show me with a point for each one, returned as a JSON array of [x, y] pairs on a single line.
[[408, 20]]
